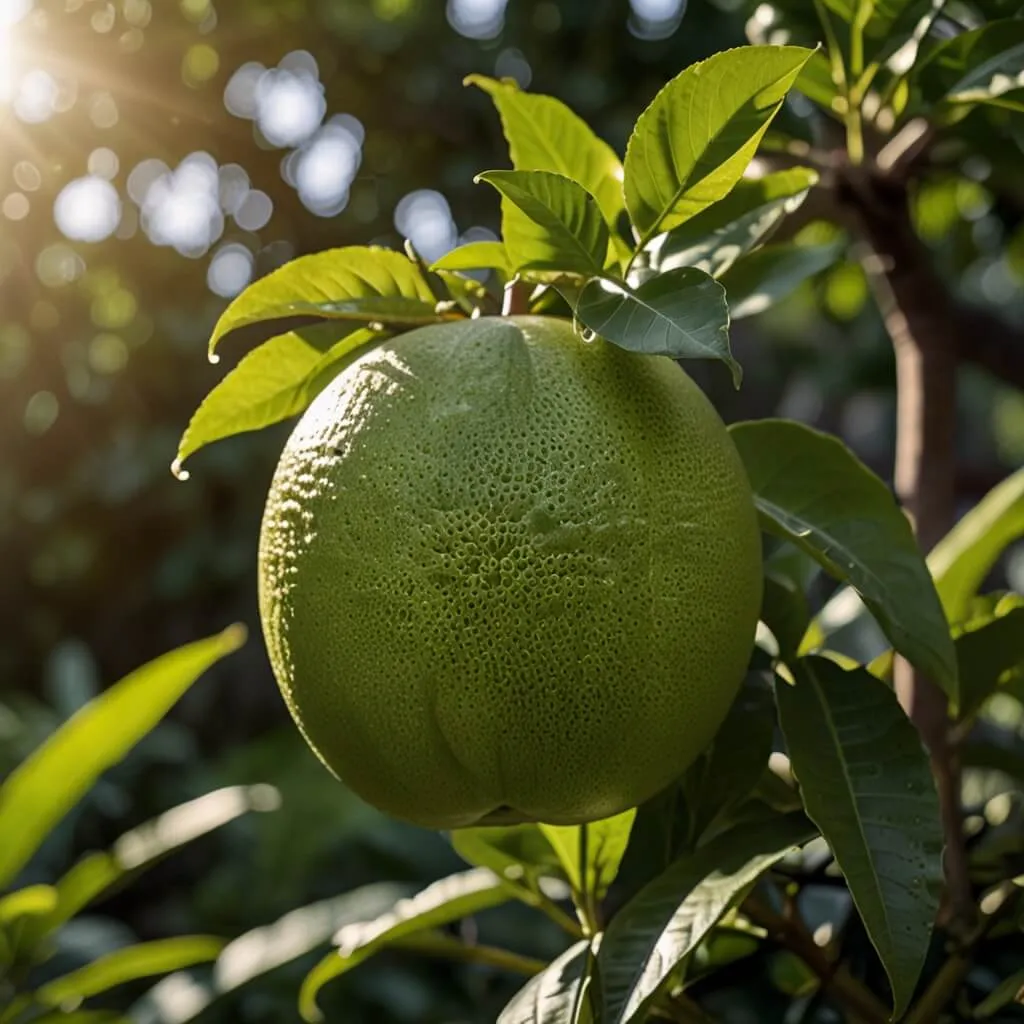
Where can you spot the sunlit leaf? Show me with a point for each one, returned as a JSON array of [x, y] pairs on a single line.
[[606, 842], [32, 901], [681, 314], [990, 652], [771, 274], [362, 283], [549, 222], [672, 914], [448, 900], [812, 490], [554, 996], [274, 382], [695, 140], [866, 783], [714, 239], [543, 134], [475, 256], [53, 778]]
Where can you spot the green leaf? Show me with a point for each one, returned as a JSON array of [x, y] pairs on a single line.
[[606, 843], [38, 793], [549, 222], [979, 66], [475, 256], [784, 610], [727, 772], [812, 490], [140, 961], [448, 900], [362, 283], [1009, 990], [963, 558], [816, 83], [989, 653], [714, 239], [674, 912], [866, 783], [514, 852], [272, 383], [771, 274], [545, 135], [32, 901], [553, 996], [693, 143], [681, 314]]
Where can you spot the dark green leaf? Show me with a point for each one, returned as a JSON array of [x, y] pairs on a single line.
[[963, 558], [362, 283], [727, 772], [785, 612], [681, 314], [674, 912], [988, 654], [1009, 990], [811, 489], [769, 275], [545, 135], [549, 223], [693, 143], [866, 783], [274, 382], [554, 996], [606, 843], [475, 256], [445, 901], [53, 778], [714, 239]]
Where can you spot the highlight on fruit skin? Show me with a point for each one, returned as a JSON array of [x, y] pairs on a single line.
[[509, 575]]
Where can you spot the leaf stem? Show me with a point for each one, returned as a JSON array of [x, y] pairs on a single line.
[[435, 944], [517, 298], [558, 915]]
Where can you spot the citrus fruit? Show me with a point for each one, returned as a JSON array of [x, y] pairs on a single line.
[[509, 575]]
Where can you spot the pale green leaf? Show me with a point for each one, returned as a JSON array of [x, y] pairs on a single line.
[[695, 140], [543, 134], [671, 915], [272, 383], [812, 490], [606, 842], [866, 783], [450, 899], [362, 283], [556, 995], [990, 652], [772, 273], [714, 239], [681, 314], [475, 256], [32, 901], [549, 223], [48, 783]]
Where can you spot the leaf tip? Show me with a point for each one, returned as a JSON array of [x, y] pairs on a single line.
[[234, 637], [177, 471]]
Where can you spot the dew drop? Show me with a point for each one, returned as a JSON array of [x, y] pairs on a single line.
[[213, 357]]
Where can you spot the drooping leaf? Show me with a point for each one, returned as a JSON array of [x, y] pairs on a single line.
[[47, 784], [714, 239], [554, 996], [272, 383], [963, 558], [445, 901], [543, 134], [990, 652], [361, 283], [672, 914], [606, 842], [681, 314], [772, 273], [866, 783], [549, 223], [784, 610], [475, 256], [727, 772], [695, 140], [812, 490]]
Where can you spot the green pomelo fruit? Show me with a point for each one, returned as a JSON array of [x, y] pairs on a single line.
[[506, 574]]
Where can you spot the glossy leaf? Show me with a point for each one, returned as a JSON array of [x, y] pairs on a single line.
[[772, 273], [963, 558], [553, 996], [129, 964], [812, 490], [47, 784], [606, 843], [445, 901], [272, 383], [543, 134], [474, 256], [866, 783], [784, 610], [681, 314], [362, 283], [989, 653], [695, 140], [714, 239], [674, 912], [549, 223]]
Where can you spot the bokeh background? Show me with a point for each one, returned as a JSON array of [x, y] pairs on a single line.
[[155, 157]]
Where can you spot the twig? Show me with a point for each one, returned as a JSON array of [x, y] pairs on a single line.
[[445, 946]]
